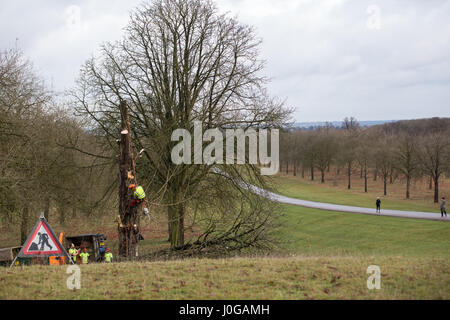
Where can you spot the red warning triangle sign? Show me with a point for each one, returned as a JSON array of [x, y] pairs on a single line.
[[42, 242]]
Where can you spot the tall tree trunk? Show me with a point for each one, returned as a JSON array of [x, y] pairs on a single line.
[[322, 171], [173, 225], [180, 239], [24, 224], [47, 208], [169, 223], [176, 227], [375, 174], [430, 185], [335, 181], [312, 173], [62, 214], [349, 174], [176, 215], [436, 189], [303, 171], [365, 178], [408, 185], [295, 168], [128, 227], [385, 184]]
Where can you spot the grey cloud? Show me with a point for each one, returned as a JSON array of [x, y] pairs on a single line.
[[320, 54]]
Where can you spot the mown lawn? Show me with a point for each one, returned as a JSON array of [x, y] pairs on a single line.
[[296, 187], [317, 232]]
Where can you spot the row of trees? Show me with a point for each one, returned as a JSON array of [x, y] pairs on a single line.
[[39, 169], [410, 149]]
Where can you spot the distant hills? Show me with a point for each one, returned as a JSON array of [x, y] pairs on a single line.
[[338, 124]]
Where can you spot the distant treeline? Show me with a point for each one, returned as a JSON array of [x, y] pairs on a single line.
[[336, 124], [407, 148]]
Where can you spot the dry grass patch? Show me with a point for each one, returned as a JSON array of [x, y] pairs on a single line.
[[294, 277]]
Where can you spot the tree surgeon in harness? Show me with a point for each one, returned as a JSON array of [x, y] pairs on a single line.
[[139, 197]]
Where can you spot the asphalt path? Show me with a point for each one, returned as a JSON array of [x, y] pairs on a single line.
[[351, 209], [337, 207]]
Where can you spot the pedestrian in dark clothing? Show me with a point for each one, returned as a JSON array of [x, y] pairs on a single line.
[[443, 208], [378, 203]]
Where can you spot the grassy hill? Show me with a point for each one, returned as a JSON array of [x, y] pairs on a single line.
[[293, 277], [327, 233], [319, 255], [335, 191]]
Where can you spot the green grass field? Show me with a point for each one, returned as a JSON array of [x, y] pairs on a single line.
[[320, 255], [296, 187], [317, 232]]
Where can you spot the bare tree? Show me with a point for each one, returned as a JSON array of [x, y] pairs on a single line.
[[348, 146], [36, 173], [384, 157], [309, 152], [22, 100], [406, 160], [326, 148], [180, 61], [364, 155], [433, 154]]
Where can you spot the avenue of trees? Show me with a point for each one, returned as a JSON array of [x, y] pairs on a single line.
[[403, 150]]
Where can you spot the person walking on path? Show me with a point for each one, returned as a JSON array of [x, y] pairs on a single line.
[[443, 208], [378, 203]]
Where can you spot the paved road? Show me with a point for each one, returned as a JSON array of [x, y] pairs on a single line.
[[337, 207]]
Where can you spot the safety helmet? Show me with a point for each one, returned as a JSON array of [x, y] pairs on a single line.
[[131, 186]]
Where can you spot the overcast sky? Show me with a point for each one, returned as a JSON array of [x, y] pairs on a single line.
[[374, 60]]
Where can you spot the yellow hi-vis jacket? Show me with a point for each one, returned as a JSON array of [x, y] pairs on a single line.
[[84, 257], [108, 256], [73, 253], [139, 193]]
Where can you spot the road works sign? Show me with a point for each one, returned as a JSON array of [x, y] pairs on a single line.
[[42, 242]]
